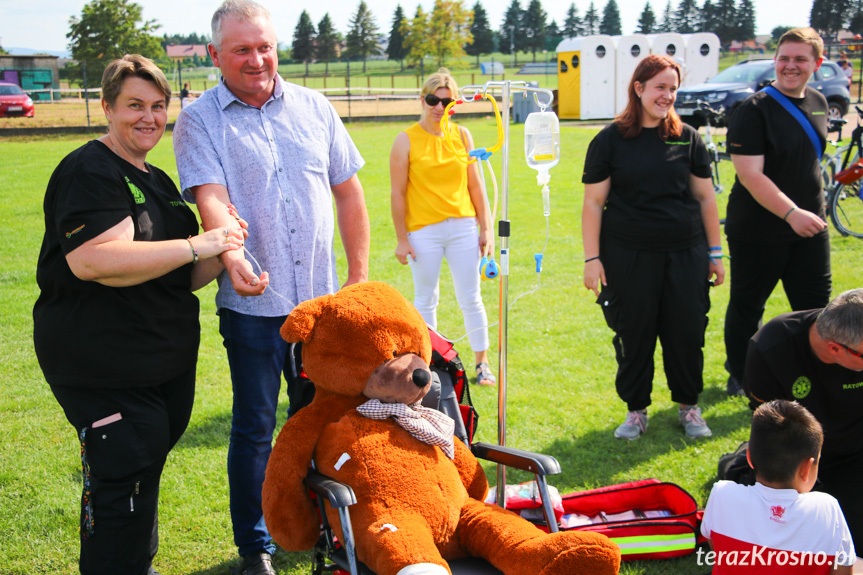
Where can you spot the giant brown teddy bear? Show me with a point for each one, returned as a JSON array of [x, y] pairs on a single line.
[[416, 507]]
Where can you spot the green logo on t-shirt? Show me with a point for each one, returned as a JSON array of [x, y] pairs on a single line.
[[818, 113], [677, 143], [136, 192], [801, 387]]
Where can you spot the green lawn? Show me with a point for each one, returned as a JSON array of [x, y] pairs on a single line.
[[561, 397]]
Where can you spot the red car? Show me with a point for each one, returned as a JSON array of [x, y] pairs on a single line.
[[14, 102]]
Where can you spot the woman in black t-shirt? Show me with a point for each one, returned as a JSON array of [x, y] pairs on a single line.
[[648, 218], [116, 324]]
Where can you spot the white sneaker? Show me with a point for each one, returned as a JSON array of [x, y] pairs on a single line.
[[635, 425], [692, 422]]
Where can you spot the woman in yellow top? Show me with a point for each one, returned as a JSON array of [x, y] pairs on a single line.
[[437, 202]]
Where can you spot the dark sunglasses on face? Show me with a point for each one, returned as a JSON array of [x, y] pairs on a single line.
[[433, 100]]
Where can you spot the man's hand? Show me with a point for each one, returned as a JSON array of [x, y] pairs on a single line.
[[805, 223], [217, 211], [246, 283]]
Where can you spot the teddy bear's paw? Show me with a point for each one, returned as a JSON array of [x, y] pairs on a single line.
[[591, 557], [423, 569]]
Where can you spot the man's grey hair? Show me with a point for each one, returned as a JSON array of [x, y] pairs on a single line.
[[842, 320], [243, 10]]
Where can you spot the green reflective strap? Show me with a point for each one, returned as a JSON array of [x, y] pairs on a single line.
[[654, 543]]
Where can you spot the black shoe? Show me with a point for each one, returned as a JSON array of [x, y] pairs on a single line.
[[257, 564], [733, 387]]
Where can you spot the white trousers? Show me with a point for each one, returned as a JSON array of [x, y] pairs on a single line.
[[457, 239]]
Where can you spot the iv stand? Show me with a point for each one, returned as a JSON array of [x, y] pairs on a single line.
[[467, 93]]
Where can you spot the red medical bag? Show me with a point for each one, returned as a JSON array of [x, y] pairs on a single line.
[[648, 519]]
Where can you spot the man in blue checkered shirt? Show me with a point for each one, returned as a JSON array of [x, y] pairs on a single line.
[[280, 154]]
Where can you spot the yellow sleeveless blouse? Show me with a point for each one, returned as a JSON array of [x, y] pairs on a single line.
[[437, 180]]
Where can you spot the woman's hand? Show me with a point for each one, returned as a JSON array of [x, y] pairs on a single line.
[[244, 225], [217, 241], [403, 250], [717, 272], [594, 274], [486, 243]]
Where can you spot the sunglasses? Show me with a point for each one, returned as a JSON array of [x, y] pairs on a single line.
[[433, 100], [853, 352]]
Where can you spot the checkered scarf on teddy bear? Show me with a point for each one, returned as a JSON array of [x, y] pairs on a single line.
[[428, 425]]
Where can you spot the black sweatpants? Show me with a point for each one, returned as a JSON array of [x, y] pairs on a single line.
[[803, 266], [842, 481], [656, 294], [125, 460]]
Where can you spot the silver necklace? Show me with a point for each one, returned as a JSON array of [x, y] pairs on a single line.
[[114, 147]]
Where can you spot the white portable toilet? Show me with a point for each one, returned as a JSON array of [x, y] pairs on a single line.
[[673, 45], [702, 57], [668, 44], [586, 77], [630, 51]]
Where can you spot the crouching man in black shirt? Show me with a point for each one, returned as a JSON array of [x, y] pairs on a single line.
[[815, 357]]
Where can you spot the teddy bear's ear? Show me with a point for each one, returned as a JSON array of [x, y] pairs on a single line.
[[301, 321]]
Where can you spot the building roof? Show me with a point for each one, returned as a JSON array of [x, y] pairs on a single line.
[[29, 56], [180, 51]]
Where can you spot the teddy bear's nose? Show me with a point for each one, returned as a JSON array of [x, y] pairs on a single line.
[[421, 377]]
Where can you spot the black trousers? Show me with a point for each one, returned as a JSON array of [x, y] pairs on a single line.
[[842, 480], [650, 295], [803, 266], [125, 460]]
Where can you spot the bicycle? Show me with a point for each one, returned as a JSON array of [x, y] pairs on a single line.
[[830, 164], [711, 117], [844, 200]]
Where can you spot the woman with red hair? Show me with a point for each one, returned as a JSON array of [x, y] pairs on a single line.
[[652, 244]]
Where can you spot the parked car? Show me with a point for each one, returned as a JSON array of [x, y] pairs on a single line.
[[734, 84], [14, 102]]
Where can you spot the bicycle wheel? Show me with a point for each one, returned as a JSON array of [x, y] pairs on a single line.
[[846, 209]]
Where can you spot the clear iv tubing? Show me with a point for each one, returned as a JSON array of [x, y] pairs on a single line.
[[245, 249]]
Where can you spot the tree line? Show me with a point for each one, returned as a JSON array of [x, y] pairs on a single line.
[[832, 16], [107, 29], [450, 30]]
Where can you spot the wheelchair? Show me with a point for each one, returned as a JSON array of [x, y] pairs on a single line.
[[331, 555]]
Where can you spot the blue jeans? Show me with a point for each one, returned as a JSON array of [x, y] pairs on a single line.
[[258, 356]]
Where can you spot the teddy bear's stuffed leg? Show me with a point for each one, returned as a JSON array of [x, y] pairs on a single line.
[[399, 544], [517, 547]]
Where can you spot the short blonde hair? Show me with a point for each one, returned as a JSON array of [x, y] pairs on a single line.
[[440, 79], [803, 36], [129, 66]]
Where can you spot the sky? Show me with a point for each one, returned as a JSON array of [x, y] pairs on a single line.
[[43, 24]]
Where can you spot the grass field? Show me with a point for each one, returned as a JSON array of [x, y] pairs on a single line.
[[561, 397]]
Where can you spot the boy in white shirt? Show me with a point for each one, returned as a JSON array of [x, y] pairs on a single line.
[[778, 525]]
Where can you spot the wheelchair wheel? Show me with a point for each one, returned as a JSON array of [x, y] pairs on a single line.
[[846, 209]]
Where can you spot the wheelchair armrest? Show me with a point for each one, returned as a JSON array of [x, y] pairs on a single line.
[[536, 463], [338, 494]]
